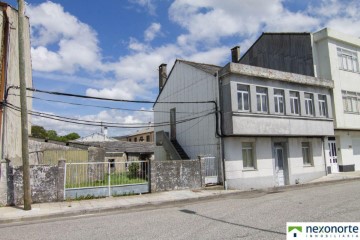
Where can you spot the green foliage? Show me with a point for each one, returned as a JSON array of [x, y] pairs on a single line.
[[40, 132], [134, 169]]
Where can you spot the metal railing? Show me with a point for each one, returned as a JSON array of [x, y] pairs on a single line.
[[211, 170], [105, 174]]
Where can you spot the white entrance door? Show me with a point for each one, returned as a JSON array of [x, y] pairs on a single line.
[[279, 165], [333, 157]]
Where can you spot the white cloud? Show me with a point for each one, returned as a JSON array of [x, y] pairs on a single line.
[[151, 32], [51, 25], [147, 4], [208, 21], [112, 116]]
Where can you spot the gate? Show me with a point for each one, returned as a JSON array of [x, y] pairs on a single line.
[[102, 179], [211, 170]]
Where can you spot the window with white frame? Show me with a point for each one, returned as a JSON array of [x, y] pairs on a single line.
[[306, 153], [261, 98], [309, 104], [348, 60], [351, 102], [294, 103], [248, 155], [322, 105], [279, 101], [243, 98]]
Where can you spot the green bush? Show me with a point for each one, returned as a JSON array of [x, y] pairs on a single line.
[[133, 170]]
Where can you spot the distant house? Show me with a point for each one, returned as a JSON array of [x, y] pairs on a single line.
[[264, 127], [324, 54], [143, 135], [97, 137]]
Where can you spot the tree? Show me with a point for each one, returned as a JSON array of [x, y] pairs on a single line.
[[38, 131], [52, 134], [72, 136]]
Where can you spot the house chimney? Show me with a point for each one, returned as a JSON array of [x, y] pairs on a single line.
[[235, 54], [105, 131], [162, 76]]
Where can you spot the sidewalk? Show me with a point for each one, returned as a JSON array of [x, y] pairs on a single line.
[[43, 211]]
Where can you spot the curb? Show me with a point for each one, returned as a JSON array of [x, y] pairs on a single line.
[[165, 203]]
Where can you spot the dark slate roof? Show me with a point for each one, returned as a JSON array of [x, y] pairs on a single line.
[[212, 69], [122, 146]]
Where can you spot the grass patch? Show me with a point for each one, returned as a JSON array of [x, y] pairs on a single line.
[[115, 179]]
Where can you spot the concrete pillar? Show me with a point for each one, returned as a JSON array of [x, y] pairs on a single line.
[[61, 180], [287, 102], [96, 172], [302, 104], [316, 105], [271, 100], [329, 106], [253, 102], [202, 170]]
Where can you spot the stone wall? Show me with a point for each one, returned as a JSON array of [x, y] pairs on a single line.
[[37, 148], [47, 183], [177, 175]]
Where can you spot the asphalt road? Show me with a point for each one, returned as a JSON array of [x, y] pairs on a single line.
[[255, 215]]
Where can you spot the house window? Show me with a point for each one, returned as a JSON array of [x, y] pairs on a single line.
[[322, 106], [306, 153], [279, 101], [135, 139], [148, 138], [348, 60], [294, 102], [248, 155], [351, 102], [261, 98], [129, 139], [112, 163], [309, 106], [243, 98], [141, 139]]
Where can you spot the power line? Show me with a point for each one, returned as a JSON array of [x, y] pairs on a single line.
[[105, 99], [104, 107], [95, 123]]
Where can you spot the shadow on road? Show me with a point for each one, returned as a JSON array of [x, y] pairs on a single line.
[[235, 224]]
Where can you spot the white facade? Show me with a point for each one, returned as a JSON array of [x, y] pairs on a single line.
[[96, 137], [336, 57], [187, 83], [281, 148]]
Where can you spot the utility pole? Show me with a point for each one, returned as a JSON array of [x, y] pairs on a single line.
[[23, 105]]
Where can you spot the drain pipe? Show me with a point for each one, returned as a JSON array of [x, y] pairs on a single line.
[[220, 135]]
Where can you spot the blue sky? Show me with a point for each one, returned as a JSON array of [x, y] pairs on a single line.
[[113, 48]]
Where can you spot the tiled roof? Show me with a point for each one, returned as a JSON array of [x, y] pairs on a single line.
[[209, 68], [122, 146]]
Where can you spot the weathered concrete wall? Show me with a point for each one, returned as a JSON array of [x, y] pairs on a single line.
[[96, 171], [47, 183], [3, 182], [37, 148], [177, 175], [11, 127]]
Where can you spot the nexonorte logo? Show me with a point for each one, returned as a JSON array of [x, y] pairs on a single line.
[[323, 230], [294, 230]]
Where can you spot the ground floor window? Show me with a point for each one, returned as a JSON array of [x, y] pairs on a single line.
[[306, 153], [248, 155]]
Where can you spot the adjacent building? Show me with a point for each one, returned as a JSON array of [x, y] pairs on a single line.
[[324, 54], [264, 127], [10, 122], [142, 135]]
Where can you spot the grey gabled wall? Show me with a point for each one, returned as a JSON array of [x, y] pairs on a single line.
[[290, 52]]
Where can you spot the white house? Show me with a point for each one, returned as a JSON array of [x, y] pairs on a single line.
[[325, 54], [265, 128]]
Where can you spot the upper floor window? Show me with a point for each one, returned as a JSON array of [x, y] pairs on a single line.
[[351, 101], [348, 60], [148, 138], [243, 97], [294, 102], [261, 98], [279, 101], [309, 104], [322, 106]]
